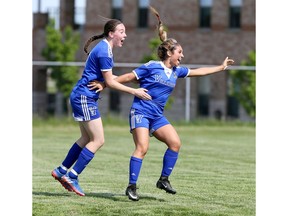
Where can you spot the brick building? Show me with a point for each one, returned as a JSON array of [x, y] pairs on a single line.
[[207, 30]]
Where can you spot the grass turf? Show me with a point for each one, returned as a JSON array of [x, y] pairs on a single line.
[[214, 175]]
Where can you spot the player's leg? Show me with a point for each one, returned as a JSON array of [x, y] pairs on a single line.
[[79, 113], [94, 129], [139, 129], [71, 157], [169, 136], [141, 140]]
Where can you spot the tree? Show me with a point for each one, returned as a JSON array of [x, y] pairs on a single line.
[[62, 47], [244, 85]]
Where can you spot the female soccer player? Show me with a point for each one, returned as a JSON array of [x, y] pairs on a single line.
[[146, 116], [98, 67]]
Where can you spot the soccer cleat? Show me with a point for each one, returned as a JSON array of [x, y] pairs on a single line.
[[58, 176], [73, 184], [164, 184], [131, 192]]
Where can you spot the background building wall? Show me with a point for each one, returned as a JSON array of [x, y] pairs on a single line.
[[206, 46]]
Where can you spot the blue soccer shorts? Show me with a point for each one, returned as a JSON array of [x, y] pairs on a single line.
[[83, 107], [139, 119]]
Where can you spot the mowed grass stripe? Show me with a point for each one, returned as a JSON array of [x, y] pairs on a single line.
[[214, 175]]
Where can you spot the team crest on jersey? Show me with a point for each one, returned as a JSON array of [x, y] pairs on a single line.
[[93, 110], [138, 118], [157, 78]]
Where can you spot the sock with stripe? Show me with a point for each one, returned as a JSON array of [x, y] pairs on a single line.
[[169, 161], [134, 169], [84, 159], [71, 157]]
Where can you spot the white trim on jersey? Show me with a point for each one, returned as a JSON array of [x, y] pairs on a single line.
[[105, 70], [110, 53], [135, 75]]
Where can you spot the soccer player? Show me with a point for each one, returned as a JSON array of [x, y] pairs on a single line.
[[146, 116], [84, 104]]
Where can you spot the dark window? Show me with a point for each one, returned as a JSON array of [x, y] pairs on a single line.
[[235, 17], [117, 6], [232, 107], [114, 103], [143, 17], [117, 13], [203, 104], [79, 14], [205, 17]]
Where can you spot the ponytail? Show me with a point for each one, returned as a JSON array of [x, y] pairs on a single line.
[[168, 44], [90, 40], [161, 32]]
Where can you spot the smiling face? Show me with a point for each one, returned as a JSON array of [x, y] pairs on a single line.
[[176, 56], [118, 36], [170, 53]]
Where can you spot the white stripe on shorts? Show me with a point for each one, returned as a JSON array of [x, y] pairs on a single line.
[[132, 119], [85, 107]]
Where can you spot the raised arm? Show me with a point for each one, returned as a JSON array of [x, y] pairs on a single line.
[[210, 70]]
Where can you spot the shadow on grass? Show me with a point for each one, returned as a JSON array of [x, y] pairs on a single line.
[[110, 196]]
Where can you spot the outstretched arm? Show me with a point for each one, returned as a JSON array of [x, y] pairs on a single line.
[[210, 70], [113, 83], [125, 78]]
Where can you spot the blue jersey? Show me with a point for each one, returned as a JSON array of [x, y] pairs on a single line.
[[160, 81], [100, 59]]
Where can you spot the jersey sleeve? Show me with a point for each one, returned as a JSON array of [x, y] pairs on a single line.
[[182, 72], [105, 63], [141, 72]]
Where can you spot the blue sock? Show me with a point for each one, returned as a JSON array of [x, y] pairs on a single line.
[[135, 167], [169, 161], [71, 157], [84, 158]]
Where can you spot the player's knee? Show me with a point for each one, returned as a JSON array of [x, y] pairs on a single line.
[[141, 152], [101, 142], [98, 143], [175, 145], [82, 141]]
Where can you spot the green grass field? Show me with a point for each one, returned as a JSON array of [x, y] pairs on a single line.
[[214, 175]]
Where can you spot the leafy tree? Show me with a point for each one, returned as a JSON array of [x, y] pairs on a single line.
[[244, 85], [62, 47], [154, 43]]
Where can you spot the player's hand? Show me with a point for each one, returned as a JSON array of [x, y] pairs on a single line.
[[227, 62], [99, 86], [142, 94]]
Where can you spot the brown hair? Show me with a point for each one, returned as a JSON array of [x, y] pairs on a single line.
[[168, 44], [109, 26]]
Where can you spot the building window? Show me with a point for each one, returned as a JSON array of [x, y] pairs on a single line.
[[204, 88], [143, 13], [205, 13], [79, 13], [117, 6], [232, 107], [235, 14], [114, 102], [232, 102]]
